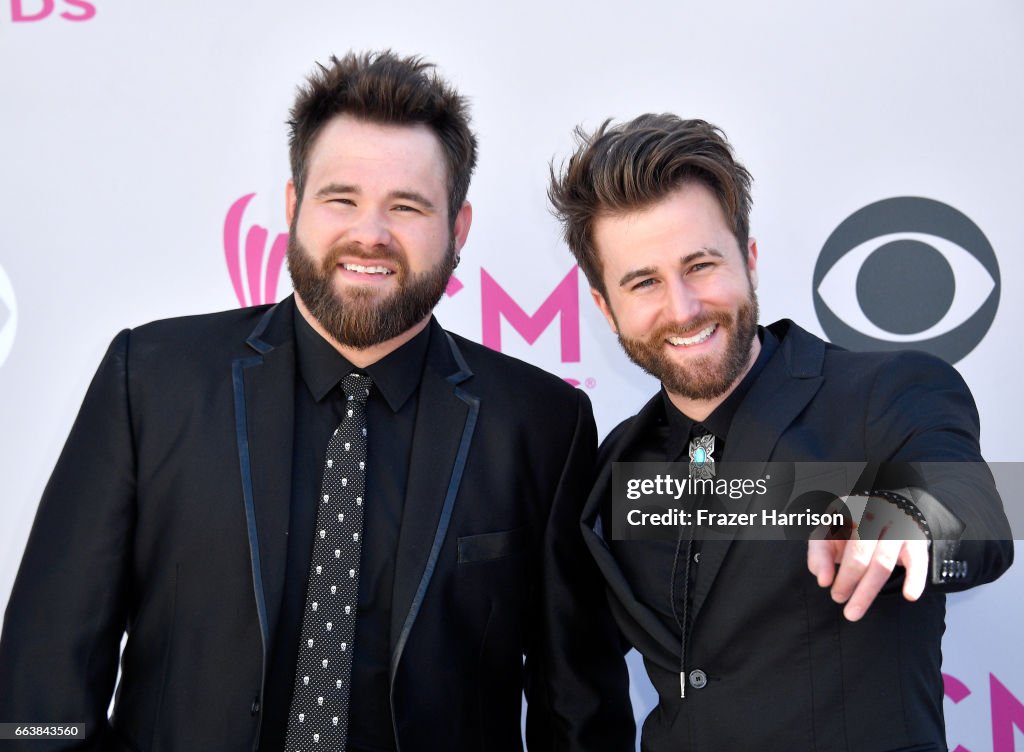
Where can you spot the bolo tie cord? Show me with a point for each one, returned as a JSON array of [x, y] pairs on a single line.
[[682, 621]]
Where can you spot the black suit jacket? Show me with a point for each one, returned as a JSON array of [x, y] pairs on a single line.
[[785, 670], [167, 516]]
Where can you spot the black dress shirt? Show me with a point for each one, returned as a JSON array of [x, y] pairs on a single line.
[[391, 419], [648, 564]]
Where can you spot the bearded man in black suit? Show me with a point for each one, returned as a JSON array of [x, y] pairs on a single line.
[[187, 508], [761, 644]]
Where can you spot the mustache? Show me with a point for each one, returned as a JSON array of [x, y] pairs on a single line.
[[722, 318], [358, 251]]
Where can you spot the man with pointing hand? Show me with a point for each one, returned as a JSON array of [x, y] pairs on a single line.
[[745, 648]]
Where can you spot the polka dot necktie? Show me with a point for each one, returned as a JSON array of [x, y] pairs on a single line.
[[318, 718]]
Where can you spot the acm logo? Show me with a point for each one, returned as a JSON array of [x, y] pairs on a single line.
[[907, 272], [1007, 712], [255, 263], [29, 11]]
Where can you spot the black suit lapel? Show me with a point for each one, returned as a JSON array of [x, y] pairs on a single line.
[[641, 626], [264, 388], [788, 383], [445, 422], [786, 386]]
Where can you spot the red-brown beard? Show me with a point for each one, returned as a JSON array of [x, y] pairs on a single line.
[[362, 318], [702, 378]]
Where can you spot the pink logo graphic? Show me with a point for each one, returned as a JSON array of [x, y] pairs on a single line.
[[1007, 711], [1007, 715], [254, 269], [453, 286], [26, 11], [262, 266], [563, 302], [954, 689]]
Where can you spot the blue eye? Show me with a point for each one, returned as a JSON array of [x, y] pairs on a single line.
[[907, 273]]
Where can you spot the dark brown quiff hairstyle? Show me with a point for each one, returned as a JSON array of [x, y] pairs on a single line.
[[627, 167], [381, 87]]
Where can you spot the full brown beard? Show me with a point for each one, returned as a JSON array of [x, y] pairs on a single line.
[[702, 378], [362, 318]]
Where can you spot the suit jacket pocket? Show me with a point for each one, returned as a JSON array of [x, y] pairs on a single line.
[[487, 546]]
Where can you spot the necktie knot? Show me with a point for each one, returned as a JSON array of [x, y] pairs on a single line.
[[356, 387]]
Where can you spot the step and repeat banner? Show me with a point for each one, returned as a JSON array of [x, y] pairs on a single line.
[[143, 163]]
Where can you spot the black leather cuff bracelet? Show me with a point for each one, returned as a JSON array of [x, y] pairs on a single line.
[[906, 506]]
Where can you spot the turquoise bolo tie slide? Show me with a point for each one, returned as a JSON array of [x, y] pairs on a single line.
[[702, 463]]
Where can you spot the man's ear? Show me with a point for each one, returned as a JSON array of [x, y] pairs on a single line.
[[752, 262], [460, 228], [602, 304], [290, 201]]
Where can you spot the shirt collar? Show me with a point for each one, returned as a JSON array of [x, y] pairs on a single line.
[[395, 376]]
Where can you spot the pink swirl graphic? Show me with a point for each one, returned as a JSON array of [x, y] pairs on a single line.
[[262, 266]]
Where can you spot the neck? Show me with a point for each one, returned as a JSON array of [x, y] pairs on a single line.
[[698, 409], [366, 356]]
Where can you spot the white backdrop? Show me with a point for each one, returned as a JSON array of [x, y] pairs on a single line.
[[131, 129]]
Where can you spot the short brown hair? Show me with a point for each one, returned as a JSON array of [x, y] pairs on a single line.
[[381, 87], [630, 166]]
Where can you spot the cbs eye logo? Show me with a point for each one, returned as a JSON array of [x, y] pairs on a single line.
[[8, 316], [907, 273]]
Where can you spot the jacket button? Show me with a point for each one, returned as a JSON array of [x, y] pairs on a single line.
[[255, 709], [698, 679], [696, 558]]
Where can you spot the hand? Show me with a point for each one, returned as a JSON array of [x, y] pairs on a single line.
[[885, 538], [864, 567]]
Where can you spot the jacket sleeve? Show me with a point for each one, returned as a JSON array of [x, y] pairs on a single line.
[[68, 608], [922, 412], [577, 686]]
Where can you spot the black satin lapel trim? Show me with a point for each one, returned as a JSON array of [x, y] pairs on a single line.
[[270, 408], [277, 322], [245, 464], [264, 400], [445, 423]]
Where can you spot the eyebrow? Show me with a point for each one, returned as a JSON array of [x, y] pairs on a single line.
[[631, 275], [705, 251], [332, 189], [415, 196], [688, 258]]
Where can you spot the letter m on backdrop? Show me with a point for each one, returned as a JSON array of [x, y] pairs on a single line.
[[563, 302]]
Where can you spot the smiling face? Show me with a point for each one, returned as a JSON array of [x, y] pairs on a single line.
[[680, 295], [371, 247]]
